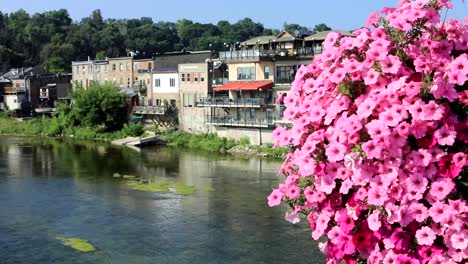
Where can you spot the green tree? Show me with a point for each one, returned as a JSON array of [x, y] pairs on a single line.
[[321, 27], [98, 106]]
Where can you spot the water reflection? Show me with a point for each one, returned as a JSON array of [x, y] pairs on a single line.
[[50, 188]]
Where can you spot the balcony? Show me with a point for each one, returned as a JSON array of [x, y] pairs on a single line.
[[44, 95], [240, 122], [234, 102], [308, 51], [239, 54], [149, 110]]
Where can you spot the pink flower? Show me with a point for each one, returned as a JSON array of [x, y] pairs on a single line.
[[336, 152], [292, 217], [377, 196], [459, 241], [274, 199], [425, 236], [445, 136], [371, 77], [345, 222], [293, 192], [441, 188], [373, 221]]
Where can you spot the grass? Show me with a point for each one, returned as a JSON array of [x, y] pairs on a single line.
[[52, 127], [162, 187], [78, 244], [207, 142], [184, 189]]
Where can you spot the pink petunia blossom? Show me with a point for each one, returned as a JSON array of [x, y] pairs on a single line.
[[425, 236]]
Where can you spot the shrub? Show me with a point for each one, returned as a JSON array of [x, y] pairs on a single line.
[[244, 141], [379, 141], [134, 130]]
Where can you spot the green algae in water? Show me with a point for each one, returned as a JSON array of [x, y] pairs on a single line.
[[151, 187], [78, 244], [209, 189], [128, 177], [116, 175], [184, 189]]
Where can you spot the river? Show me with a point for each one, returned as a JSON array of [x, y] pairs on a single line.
[[56, 188]]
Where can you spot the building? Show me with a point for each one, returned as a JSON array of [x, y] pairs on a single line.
[[21, 88], [121, 71], [239, 101], [85, 73], [143, 80]]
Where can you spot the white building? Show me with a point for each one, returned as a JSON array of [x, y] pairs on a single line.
[[165, 90]]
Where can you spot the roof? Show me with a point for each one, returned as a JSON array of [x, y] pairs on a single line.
[[245, 86], [172, 61], [285, 37], [259, 40], [323, 35]]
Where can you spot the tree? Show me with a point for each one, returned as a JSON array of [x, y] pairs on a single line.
[[99, 106], [321, 27]]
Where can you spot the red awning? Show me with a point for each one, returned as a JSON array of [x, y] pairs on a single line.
[[245, 86]]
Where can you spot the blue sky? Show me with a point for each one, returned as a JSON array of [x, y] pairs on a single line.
[[338, 14]]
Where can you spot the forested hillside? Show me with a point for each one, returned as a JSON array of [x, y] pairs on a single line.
[[53, 39]]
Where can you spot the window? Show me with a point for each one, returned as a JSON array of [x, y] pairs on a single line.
[[172, 82], [136, 66], [189, 100], [128, 82], [121, 67], [195, 77], [202, 77], [113, 66], [157, 82], [246, 73], [183, 77], [128, 66], [157, 102], [148, 81], [266, 71], [173, 102], [150, 65], [83, 68], [90, 69], [188, 77], [285, 74], [98, 68]]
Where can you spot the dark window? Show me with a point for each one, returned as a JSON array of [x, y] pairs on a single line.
[[183, 77], [266, 73], [246, 73]]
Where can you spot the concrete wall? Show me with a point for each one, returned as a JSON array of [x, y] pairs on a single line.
[[255, 135]]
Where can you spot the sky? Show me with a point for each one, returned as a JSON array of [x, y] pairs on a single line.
[[338, 14]]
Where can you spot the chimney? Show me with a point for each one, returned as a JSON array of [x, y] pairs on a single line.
[[89, 58]]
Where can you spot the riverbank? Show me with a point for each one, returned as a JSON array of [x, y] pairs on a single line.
[[213, 143], [52, 127]]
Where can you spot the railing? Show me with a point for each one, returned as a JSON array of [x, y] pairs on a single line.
[[284, 80], [240, 122], [220, 81], [239, 54], [232, 102], [44, 95], [308, 51], [149, 110]]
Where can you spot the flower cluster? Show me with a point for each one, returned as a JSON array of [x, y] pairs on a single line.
[[379, 140]]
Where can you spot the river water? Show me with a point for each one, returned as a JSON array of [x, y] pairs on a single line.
[[51, 188]]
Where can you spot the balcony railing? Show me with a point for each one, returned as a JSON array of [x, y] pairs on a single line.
[[149, 110], [308, 51], [240, 122], [233, 102], [44, 95]]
